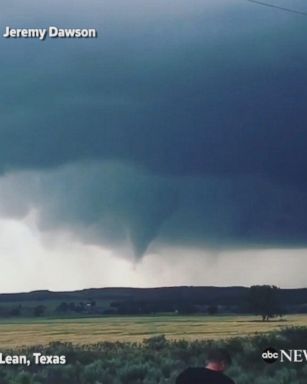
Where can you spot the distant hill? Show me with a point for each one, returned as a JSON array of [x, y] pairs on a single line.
[[224, 295], [207, 295], [122, 300]]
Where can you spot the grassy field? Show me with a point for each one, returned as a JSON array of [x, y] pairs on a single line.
[[27, 332]]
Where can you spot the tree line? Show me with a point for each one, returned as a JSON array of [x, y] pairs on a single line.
[[262, 300]]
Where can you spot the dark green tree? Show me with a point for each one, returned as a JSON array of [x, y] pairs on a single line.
[[264, 301]]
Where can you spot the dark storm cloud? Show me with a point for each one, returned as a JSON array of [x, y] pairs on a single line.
[[208, 100]]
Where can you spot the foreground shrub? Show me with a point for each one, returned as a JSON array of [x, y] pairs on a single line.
[[158, 361]]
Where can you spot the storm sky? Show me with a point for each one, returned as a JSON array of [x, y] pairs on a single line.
[[171, 150]]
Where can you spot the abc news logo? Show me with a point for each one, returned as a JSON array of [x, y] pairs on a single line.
[[271, 355]]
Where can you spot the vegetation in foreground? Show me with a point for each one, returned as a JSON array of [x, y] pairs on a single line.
[[158, 361]]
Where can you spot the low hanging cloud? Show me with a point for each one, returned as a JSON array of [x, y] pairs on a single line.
[[124, 206]]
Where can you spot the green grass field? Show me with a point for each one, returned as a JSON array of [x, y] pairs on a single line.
[[26, 332]]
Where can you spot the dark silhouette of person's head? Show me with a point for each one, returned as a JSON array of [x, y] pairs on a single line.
[[218, 360]]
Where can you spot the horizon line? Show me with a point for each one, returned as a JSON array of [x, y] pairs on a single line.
[[143, 288]]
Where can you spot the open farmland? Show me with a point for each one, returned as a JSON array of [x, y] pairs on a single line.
[[29, 332]]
